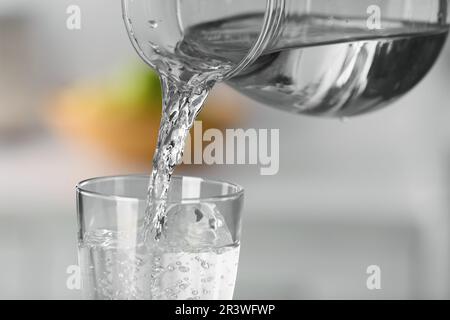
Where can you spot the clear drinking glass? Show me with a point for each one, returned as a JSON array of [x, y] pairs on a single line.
[[197, 257]]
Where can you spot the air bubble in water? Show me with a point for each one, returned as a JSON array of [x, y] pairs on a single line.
[[153, 24], [139, 262], [157, 268], [183, 286]]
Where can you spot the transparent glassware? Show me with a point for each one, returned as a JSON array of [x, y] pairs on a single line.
[[316, 57], [196, 259]]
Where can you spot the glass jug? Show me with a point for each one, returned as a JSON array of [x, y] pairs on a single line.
[[316, 57]]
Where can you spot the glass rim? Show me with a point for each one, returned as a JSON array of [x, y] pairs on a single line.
[[80, 188]]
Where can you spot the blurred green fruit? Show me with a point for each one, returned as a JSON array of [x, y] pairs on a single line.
[[136, 88]]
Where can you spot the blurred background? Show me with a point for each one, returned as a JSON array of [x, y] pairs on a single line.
[[75, 104]]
